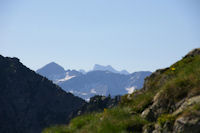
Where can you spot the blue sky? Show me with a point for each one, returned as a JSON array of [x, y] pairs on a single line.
[[127, 34]]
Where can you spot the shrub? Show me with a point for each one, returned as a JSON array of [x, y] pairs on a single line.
[[166, 118]]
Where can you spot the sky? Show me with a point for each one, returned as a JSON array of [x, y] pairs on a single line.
[[134, 35]]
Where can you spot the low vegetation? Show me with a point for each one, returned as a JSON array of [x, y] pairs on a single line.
[[110, 120], [166, 88]]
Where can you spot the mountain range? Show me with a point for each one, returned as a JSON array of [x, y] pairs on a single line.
[[102, 80]]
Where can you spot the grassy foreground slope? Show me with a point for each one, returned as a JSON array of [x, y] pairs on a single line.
[[168, 102]]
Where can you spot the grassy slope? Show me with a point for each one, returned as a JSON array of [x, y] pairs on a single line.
[[172, 84]]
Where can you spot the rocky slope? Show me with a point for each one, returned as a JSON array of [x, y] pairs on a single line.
[[30, 102], [169, 102], [175, 106]]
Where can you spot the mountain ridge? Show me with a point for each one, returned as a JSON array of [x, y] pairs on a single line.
[[30, 102]]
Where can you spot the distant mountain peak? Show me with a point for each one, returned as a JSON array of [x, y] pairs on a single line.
[[124, 72], [98, 67], [53, 65], [52, 71], [57, 73], [109, 68]]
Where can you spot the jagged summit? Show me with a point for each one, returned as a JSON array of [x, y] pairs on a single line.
[[109, 68], [98, 67], [53, 67], [52, 71]]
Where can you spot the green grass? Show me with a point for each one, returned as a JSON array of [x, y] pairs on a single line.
[[186, 81], [116, 120], [166, 118], [171, 84], [139, 102]]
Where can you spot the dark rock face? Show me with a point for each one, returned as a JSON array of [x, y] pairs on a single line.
[[30, 102], [185, 124]]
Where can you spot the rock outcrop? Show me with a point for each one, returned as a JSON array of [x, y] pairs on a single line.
[[178, 112]]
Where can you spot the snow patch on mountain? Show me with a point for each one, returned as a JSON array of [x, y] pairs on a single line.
[[130, 89], [67, 77], [93, 91]]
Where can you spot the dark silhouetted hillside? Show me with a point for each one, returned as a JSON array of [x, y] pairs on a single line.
[[30, 102]]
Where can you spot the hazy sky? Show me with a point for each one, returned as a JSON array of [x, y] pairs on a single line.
[[127, 34]]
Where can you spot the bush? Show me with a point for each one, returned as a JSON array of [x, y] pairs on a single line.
[[166, 118]]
